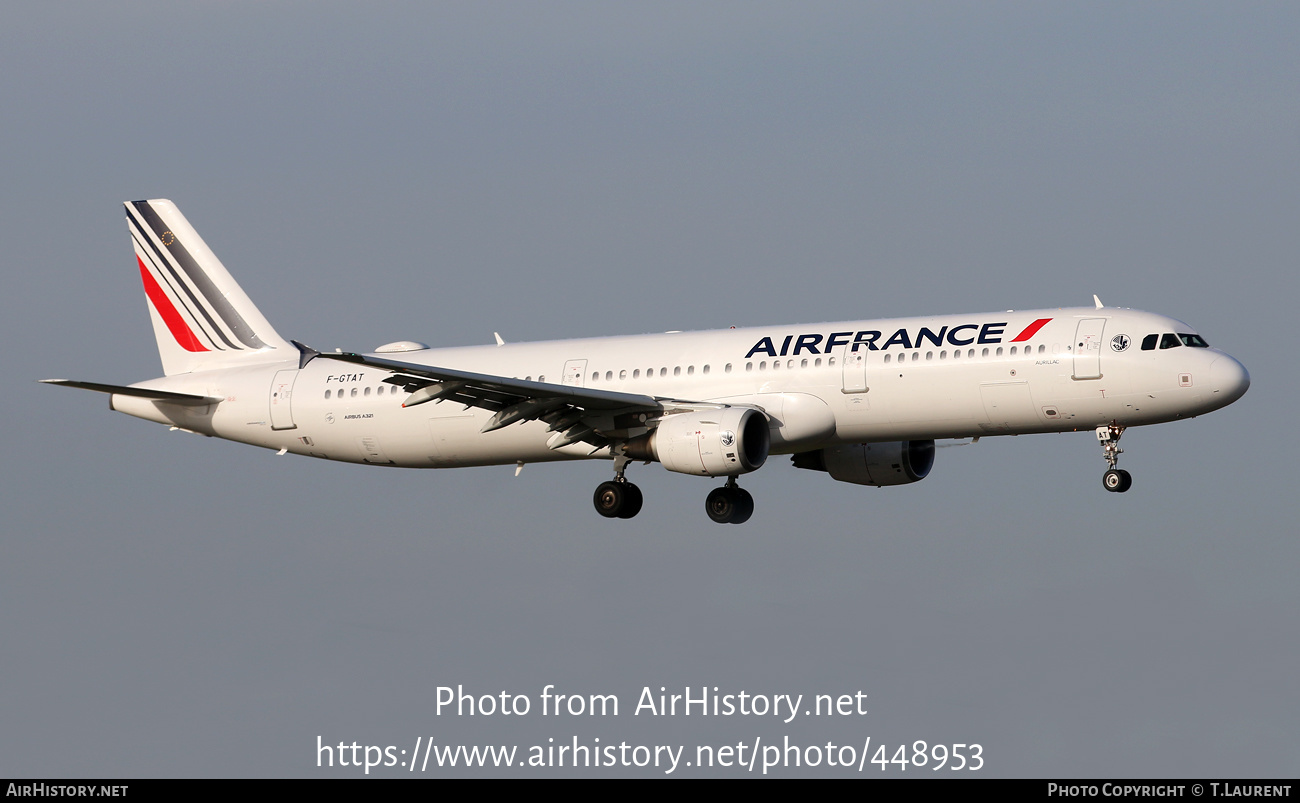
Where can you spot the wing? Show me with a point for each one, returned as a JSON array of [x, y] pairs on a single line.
[[597, 417]]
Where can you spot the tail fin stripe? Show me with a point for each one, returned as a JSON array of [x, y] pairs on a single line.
[[167, 270], [175, 323], [167, 273], [202, 320], [216, 300]]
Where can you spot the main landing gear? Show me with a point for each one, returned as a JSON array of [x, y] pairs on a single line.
[[618, 498], [1116, 480], [729, 504]]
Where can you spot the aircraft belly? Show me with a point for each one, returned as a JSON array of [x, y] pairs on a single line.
[[945, 394], [1008, 407]]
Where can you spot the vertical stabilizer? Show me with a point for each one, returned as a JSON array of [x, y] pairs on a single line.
[[201, 317]]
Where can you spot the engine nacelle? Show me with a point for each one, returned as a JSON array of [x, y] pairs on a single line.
[[878, 464], [707, 443]]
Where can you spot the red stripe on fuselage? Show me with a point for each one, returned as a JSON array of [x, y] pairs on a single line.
[[175, 323], [1031, 330]]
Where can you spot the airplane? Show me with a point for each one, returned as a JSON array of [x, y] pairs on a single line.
[[863, 401]]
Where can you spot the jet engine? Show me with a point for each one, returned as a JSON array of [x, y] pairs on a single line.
[[878, 464], [707, 443]]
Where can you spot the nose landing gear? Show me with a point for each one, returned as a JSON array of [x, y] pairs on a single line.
[[729, 504], [1116, 480]]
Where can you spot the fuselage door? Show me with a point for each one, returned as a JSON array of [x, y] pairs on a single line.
[[574, 370], [1087, 348], [282, 398], [855, 369]]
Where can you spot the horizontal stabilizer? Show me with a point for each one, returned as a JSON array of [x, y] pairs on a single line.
[[144, 393]]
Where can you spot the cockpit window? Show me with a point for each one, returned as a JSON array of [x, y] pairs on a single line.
[[1169, 340], [1195, 341], [1149, 342]]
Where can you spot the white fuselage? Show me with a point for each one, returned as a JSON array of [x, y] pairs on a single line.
[[820, 384]]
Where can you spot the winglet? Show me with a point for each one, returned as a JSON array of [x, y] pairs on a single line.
[[497, 335], [1096, 301]]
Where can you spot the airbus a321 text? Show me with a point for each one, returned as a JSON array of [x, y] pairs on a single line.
[[863, 400]]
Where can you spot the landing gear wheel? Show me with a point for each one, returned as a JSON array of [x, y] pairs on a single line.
[[611, 499], [632, 502], [744, 506], [721, 505], [617, 500], [729, 505], [1117, 480]]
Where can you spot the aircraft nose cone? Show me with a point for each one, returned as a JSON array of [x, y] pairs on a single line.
[[1228, 380]]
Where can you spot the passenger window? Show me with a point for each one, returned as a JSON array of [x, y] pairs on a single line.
[[803, 363], [1149, 342], [690, 370], [622, 374], [887, 356], [830, 361], [817, 363], [327, 394], [706, 369], [1170, 340], [999, 352], [985, 353], [749, 366], [1013, 351], [367, 393], [727, 369], [609, 376], [354, 393], [776, 365], [677, 371], [663, 371], [595, 376]]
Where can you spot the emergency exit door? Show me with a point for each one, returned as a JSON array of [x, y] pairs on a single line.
[[282, 399]]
